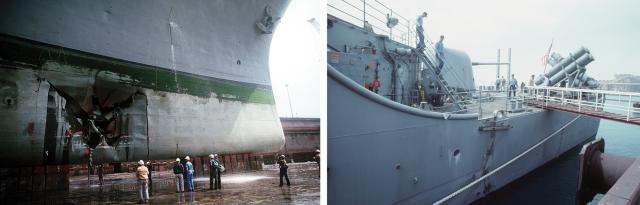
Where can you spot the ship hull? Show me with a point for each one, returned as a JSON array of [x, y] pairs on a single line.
[[381, 152], [171, 79]]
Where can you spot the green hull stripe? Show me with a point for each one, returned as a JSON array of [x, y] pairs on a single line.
[[13, 49]]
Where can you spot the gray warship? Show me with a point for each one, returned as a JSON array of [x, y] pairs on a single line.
[[118, 81], [401, 132]]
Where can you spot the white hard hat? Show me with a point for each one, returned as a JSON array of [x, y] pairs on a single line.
[[211, 156], [187, 158], [177, 159], [141, 162]]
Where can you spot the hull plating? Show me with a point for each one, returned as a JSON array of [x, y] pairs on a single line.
[[379, 154], [124, 81]]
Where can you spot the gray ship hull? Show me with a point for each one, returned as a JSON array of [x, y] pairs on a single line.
[[382, 152], [167, 79]]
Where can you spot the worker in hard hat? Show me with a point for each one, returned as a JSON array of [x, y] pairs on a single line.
[[282, 162], [142, 173], [214, 173], [178, 170], [190, 172]]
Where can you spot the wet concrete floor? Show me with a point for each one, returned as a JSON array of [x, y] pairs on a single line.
[[259, 187]]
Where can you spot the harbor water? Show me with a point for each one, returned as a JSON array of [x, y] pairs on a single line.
[[556, 181]]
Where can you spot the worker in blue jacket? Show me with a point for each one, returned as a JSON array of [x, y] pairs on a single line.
[[190, 172]]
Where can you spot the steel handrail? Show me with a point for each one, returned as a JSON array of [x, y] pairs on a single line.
[[567, 96], [611, 92], [407, 38], [396, 37], [334, 74]]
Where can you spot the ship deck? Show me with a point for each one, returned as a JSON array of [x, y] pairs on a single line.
[[494, 102]]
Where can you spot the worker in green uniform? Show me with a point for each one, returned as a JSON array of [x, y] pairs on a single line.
[[214, 173]]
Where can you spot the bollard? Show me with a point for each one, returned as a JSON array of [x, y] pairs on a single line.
[[618, 177]]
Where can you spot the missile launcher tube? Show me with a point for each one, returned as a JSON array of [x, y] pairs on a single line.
[[581, 62], [558, 67]]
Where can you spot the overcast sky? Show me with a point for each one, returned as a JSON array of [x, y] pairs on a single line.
[[609, 29], [297, 59]]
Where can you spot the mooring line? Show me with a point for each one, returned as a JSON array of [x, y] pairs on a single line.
[[504, 165]]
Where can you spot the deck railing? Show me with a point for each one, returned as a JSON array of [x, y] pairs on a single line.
[[588, 100], [376, 14]]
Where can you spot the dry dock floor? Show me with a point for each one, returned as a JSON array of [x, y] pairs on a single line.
[[259, 187]]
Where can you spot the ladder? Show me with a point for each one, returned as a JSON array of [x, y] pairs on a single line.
[[448, 90]]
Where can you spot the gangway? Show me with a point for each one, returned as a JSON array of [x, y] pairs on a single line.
[[586, 102]]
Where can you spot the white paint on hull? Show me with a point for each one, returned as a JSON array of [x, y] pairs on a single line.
[[199, 126]]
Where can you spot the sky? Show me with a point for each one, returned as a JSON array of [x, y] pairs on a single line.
[[297, 59], [607, 28]]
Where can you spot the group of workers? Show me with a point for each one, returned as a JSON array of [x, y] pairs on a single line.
[[184, 174]]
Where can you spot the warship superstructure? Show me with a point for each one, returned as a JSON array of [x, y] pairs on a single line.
[[116, 81], [400, 131]]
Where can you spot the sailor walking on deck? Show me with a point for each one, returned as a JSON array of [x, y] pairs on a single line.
[[282, 162], [440, 54], [142, 174], [513, 86], [178, 170], [214, 173], [190, 172], [420, 31]]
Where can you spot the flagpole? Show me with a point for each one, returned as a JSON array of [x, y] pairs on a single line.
[[546, 60]]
